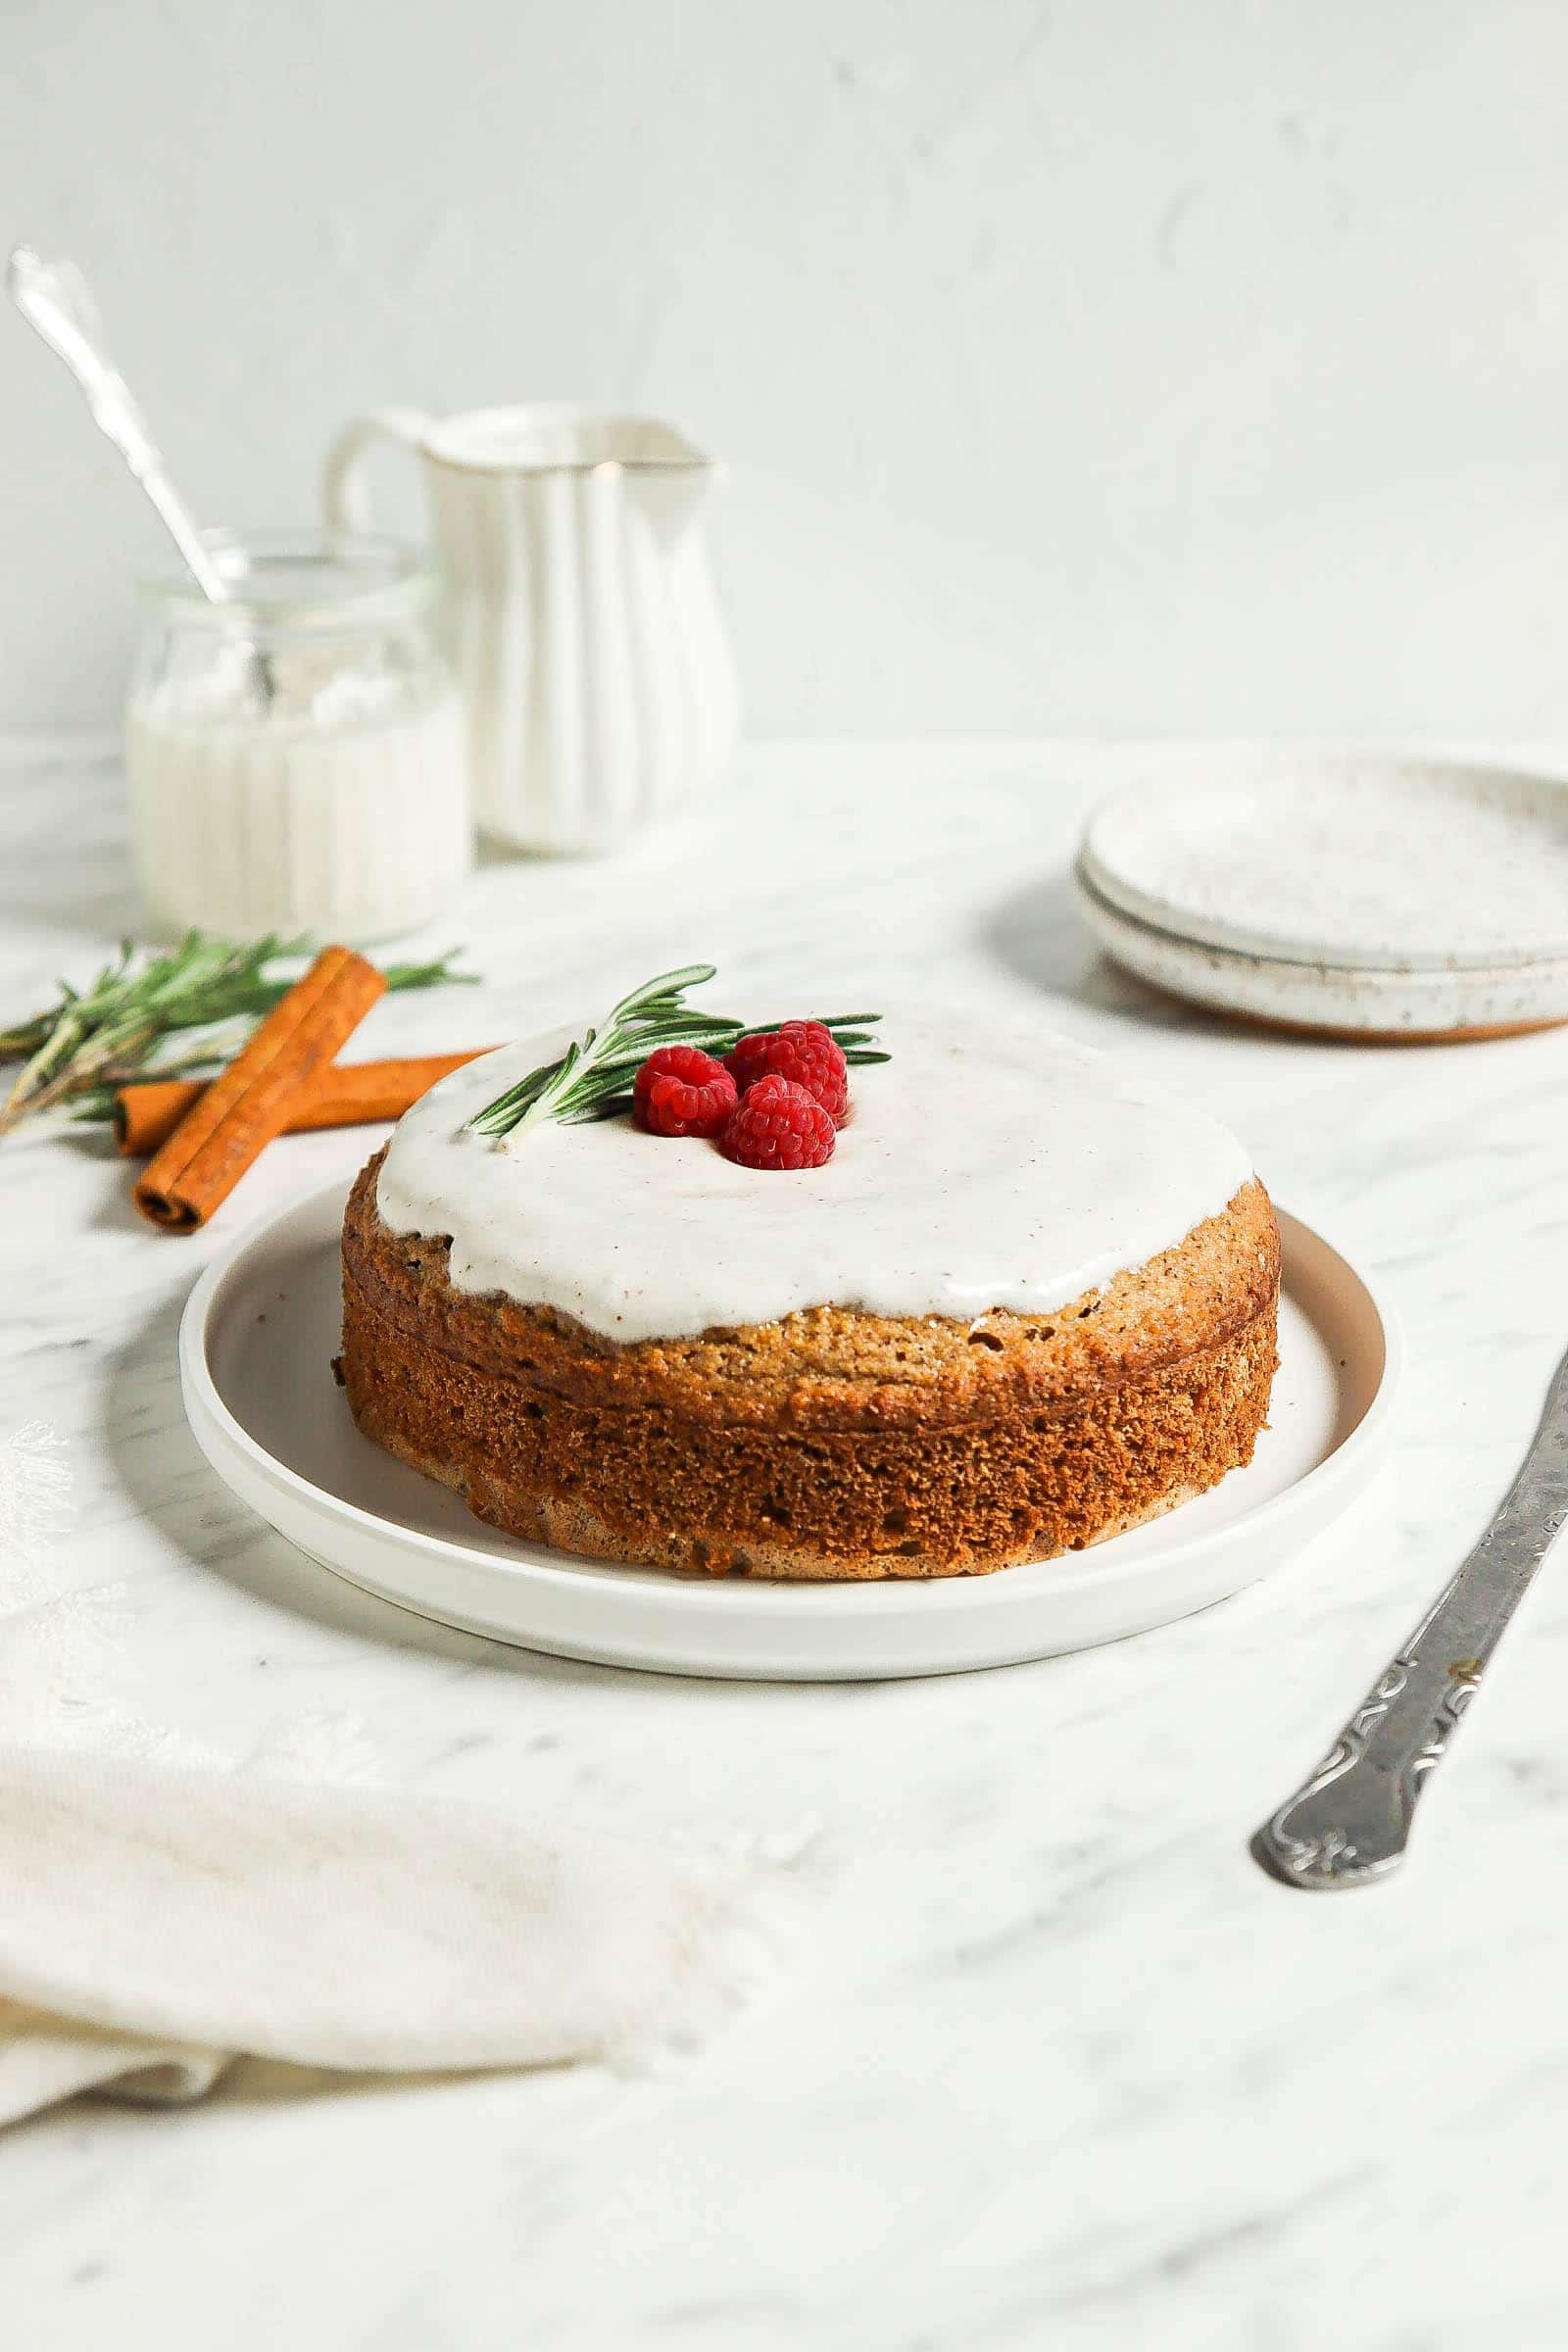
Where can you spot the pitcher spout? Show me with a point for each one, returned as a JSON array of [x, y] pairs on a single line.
[[671, 497]]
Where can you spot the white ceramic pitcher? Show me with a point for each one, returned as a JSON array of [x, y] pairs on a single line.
[[580, 611]]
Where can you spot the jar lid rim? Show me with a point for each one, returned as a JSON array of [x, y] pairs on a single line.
[[361, 577]]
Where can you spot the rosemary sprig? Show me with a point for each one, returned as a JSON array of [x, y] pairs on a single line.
[[134, 1019], [592, 1079]]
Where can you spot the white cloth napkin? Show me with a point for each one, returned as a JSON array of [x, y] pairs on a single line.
[[162, 1915], [157, 1922]]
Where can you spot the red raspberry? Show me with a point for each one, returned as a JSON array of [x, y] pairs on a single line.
[[680, 1091], [806, 1053], [779, 1125]]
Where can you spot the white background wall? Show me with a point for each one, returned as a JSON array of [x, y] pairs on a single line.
[[1112, 364]]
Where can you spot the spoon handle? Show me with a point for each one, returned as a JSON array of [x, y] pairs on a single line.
[[54, 299], [1350, 1821]]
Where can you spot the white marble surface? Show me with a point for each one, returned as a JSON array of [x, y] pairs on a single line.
[[1050, 2060]]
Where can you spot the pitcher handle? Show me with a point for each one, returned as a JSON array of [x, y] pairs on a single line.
[[344, 497]]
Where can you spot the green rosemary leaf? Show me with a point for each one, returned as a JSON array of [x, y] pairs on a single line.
[[610, 1107], [668, 985], [438, 973], [838, 1022]]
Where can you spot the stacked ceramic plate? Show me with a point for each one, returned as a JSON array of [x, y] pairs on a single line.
[[1365, 896]]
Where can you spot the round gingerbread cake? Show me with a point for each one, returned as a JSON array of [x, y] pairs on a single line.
[[1027, 1302]]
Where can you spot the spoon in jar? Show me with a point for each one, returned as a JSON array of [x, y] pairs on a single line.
[[54, 298]]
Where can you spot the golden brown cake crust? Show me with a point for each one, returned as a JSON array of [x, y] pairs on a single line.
[[834, 1443]]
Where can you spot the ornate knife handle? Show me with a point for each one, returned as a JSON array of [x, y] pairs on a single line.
[[1350, 1821]]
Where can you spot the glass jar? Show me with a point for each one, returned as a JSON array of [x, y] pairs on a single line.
[[295, 756]]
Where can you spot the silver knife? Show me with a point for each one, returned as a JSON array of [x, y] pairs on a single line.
[[1351, 1822]]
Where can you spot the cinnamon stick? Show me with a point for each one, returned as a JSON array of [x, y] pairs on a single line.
[[251, 1102], [352, 1093]]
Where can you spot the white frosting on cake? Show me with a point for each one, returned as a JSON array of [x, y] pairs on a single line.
[[1016, 1171]]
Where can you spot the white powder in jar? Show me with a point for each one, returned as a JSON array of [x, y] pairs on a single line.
[[325, 796]]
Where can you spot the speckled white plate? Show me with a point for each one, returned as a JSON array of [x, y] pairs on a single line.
[[1350, 1000], [255, 1351], [1359, 863]]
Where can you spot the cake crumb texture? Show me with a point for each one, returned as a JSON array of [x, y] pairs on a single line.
[[833, 1443]]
